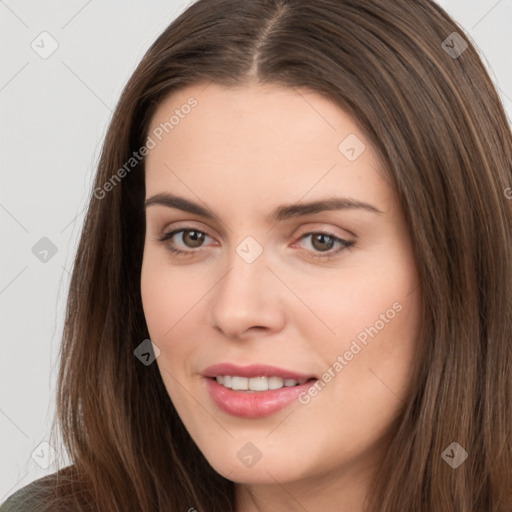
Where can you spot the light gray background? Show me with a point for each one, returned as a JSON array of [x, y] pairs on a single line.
[[54, 114]]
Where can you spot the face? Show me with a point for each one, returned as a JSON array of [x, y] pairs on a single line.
[[319, 303]]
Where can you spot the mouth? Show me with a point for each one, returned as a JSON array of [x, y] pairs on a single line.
[[254, 391], [254, 370], [257, 384]]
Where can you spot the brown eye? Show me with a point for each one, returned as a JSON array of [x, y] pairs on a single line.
[[192, 238], [189, 239], [322, 242]]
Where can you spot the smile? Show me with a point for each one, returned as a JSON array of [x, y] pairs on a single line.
[[256, 390], [257, 384]]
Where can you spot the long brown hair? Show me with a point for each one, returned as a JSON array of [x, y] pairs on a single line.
[[428, 106]]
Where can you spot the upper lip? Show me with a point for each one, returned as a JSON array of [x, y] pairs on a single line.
[[254, 370]]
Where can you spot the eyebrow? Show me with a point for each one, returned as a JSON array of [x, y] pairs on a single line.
[[280, 213]]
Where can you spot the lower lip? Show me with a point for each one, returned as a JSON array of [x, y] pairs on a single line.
[[256, 404]]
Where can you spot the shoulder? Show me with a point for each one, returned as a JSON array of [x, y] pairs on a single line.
[[23, 500], [36, 496]]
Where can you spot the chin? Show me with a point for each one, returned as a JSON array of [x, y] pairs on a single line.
[[267, 470]]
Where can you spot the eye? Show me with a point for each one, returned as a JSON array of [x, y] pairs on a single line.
[[323, 242], [192, 238]]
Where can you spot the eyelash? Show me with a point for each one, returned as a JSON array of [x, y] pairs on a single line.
[[345, 244]]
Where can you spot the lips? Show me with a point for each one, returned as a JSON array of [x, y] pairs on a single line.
[[254, 404], [255, 370]]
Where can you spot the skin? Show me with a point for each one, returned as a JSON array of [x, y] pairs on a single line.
[[242, 152]]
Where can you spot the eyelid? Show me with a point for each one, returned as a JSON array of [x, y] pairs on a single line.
[[184, 224], [344, 244], [320, 228], [167, 235], [317, 227]]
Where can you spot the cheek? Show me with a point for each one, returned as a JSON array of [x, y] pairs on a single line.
[[374, 323], [166, 301], [167, 295], [367, 369], [344, 306], [172, 309], [157, 302]]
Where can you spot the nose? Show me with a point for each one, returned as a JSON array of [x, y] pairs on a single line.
[[247, 300]]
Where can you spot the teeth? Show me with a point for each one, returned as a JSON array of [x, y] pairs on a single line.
[[241, 383], [275, 382], [256, 383]]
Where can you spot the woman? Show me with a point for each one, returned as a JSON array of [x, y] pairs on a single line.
[[293, 288]]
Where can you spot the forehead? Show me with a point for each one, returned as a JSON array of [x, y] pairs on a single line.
[[258, 140], [259, 117]]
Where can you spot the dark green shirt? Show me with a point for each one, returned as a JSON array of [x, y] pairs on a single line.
[[23, 500]]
